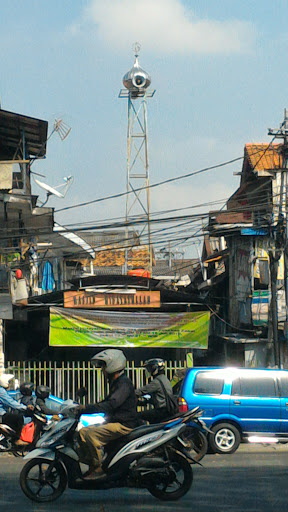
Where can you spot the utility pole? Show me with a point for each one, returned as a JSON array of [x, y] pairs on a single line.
[[280, 237]]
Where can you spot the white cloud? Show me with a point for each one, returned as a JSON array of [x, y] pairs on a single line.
[[163, 27]]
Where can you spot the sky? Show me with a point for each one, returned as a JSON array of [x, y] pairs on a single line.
[[220, 73]]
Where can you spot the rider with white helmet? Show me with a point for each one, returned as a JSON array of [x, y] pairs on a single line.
[[8, 404], [119, 408]]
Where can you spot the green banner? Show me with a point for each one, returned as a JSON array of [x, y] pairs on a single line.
[[70, 327]]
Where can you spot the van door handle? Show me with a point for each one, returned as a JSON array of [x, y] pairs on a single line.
[[286, 403], [236, 402]]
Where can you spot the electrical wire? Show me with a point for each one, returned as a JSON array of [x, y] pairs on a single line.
[[164, 182], [227, 323], [169, 180]]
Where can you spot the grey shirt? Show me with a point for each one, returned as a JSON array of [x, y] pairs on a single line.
[[154, 389]]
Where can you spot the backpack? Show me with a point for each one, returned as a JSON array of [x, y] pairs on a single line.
[[171, 401]]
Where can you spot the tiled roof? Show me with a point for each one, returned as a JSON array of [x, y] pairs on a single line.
[[113, 256], [262, 156]]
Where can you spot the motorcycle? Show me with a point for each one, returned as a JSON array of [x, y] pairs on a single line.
[[194, 436], [195, 439], [41, 423], [152, 457], [8, 436]]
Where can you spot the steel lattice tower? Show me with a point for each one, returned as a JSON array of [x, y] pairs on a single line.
[[137, 82]]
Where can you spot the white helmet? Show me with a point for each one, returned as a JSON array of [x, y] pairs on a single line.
[[110, 360], [5, 379]]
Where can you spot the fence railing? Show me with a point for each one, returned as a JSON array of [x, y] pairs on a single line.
[[66, 377]]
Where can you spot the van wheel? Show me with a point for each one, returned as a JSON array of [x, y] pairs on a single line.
[[226, 438]]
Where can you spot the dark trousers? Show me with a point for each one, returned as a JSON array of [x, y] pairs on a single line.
[[14, 421], [154, 415]]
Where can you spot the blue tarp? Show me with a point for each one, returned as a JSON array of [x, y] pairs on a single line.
[[47, 277]]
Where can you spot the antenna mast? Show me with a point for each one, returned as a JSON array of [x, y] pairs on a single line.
[[136, 82]]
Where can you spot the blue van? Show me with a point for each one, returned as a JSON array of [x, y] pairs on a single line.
[[238, 403]]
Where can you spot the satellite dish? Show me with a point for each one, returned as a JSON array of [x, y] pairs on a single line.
[[53, 191], [50, 190]]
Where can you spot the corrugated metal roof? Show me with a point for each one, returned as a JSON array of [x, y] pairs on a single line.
[[75, 239], [12, 128], [98, 239], [263, 156]]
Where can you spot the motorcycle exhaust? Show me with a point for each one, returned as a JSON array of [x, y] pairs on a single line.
[[150, 463]]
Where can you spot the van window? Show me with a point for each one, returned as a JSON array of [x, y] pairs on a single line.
[[284, 385], [235, 387], [254, 386], [208, 384]]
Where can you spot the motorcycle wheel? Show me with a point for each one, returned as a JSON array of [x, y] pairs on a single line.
[[19, 454], [197, 443], [179, 479], [39, 487], [5, 445]]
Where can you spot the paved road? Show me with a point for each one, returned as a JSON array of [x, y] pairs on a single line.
[[254, 479]]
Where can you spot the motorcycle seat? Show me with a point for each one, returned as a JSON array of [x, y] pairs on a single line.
[[134, 434], [140, 431]]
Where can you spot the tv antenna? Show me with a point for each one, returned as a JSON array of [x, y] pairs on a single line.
[[58, 191], [61, 128]]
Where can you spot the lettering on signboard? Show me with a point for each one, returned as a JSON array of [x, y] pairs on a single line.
[[107, 300]]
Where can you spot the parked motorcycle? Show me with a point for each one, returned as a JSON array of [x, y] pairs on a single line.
[[152, 457]]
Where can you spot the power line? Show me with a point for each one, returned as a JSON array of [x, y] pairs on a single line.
[[164, 182], [169, 180]]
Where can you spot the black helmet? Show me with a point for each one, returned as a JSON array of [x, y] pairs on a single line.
[[26, 388], [154, 366], [42, 392]]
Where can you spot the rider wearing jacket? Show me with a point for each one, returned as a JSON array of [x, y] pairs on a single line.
[[26, 391], [42, 392], [8, 404], [156, 369], [119, 407]]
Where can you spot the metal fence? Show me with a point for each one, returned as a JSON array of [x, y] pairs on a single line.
[[66, 377]]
